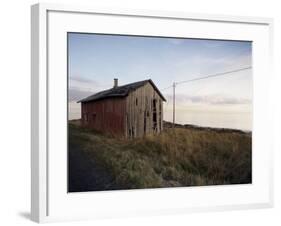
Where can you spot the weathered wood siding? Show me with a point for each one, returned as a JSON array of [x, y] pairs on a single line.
[[144, 112], [107, 115]]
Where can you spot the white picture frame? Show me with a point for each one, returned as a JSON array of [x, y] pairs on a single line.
[[49, 24]]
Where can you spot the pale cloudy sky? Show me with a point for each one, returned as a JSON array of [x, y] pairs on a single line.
[[225, 101]]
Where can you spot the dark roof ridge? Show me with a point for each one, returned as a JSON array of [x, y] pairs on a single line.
[[120, 91]]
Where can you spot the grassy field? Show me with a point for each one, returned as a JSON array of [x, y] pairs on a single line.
[[181, 156]]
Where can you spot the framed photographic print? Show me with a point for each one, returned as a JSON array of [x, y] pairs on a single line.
[[146, 112]]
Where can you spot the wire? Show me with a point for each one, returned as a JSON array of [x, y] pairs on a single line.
[[209, 76], [215, 75]]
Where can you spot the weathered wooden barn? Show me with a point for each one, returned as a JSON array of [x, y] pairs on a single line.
[[131, 110]]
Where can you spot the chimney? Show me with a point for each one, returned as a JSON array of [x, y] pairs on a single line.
[[115, 83]]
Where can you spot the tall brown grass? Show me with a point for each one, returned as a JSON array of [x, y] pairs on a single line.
[[176, 157]]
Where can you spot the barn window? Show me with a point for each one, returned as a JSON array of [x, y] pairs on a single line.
[[136, 101], [154, 104]]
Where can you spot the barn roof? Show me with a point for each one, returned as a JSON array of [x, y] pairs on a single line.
[[120, 91]]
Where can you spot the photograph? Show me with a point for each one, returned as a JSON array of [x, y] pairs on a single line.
[[147, 112]]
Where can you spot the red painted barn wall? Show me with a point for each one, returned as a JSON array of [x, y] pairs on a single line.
[[107, 115]]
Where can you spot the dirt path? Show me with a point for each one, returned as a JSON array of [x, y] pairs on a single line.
[[85, 175]]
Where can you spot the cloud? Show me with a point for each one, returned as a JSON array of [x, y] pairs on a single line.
[[211, 99], [76, 94], [81, 79], [86, 84]]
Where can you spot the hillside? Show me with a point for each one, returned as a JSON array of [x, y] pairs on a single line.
[[181, 156]]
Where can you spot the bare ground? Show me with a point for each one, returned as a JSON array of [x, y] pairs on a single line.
[[85, 174]]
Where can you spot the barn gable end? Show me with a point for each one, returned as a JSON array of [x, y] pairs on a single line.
[[144, 112]]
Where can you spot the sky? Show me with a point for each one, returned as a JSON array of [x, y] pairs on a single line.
[[94, 60]]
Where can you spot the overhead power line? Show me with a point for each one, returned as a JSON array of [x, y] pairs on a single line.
[[210, 76], [215, 75]]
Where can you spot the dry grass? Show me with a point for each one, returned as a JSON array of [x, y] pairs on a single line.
[[176, 157]]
